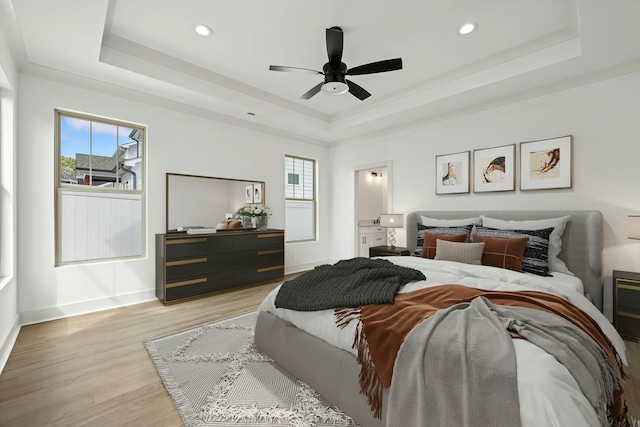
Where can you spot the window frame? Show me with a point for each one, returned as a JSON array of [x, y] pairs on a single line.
[[60, 188], [313, 200]]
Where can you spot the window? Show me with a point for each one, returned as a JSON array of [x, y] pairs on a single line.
[[300, 199], [100, 188]]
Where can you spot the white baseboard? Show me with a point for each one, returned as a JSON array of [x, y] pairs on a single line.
[[53, 313], [289, 269], [9, 342]]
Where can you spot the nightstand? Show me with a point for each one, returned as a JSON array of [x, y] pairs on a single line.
[[388, 251], [626, 304]]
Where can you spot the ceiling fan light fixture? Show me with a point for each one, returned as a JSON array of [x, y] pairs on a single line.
[[467, 28], [203, 30], [335, 88]]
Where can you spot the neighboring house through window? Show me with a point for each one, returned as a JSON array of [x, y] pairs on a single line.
[[100, 193], [300, 199]]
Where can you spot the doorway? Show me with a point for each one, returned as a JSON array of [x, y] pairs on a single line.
[[372, 199]]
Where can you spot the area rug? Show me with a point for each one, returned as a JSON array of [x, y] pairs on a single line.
[[216, 377]]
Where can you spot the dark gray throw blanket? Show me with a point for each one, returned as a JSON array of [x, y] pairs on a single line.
[[347, 283], [467, 366]]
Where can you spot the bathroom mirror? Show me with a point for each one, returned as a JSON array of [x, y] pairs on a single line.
[[204, 201]]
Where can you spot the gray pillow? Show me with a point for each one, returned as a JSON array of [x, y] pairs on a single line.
[[468, 253]]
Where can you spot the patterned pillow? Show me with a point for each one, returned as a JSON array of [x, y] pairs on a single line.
[[430, 242], [502, 253], [535, 257], [462, 229]]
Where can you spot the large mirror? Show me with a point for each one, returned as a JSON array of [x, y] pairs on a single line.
[[204, 201]]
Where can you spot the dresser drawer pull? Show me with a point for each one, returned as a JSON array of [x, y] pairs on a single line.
[[272, 251], [626, 314], [186, 282], [186, 261], [265, 269], [631, 288], [185, 241], [266, 236]]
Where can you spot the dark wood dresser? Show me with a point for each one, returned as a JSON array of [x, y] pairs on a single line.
[[193, 266]]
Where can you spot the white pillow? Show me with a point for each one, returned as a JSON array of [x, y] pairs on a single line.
[[555, 239], [435, 222], [469, 253]]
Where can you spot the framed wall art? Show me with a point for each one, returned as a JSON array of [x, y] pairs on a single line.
[[546, 164], [257, 193], [452, 173], [248, 197], [494, 169]]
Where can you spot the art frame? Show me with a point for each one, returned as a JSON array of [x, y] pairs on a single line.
[[257, 193], [494, 169], [248, 198], [546, 164], [452, 173]]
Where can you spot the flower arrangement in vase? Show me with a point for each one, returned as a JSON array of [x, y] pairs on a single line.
[[261, 213]]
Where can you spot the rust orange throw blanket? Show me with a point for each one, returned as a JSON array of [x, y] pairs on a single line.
[[382, 329]]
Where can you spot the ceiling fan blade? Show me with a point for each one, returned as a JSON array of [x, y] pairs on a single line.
[[293, 69], [312, 91], [358, 91], [376, 67], [335, 39]]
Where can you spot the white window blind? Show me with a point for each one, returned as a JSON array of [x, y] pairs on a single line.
[[299, 175]]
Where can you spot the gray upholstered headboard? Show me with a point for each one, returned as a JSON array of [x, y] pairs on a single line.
[[581, 240]]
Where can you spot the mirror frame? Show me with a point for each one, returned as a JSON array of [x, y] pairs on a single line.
[[167, 190]]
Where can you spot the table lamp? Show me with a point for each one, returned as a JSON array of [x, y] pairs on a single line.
[[391, 221]]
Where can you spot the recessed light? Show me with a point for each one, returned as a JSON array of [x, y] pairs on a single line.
[[467, 28], [203, 30]]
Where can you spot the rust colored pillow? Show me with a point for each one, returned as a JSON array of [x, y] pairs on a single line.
[[502, 253], [429, 245]]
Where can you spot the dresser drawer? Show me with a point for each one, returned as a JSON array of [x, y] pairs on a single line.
[[191, 247], [198, 286], [628, 298], [259, 241], [259, 258], [245, 276], [629, 327], [197, 267]]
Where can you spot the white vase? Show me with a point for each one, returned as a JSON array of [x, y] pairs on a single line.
[[262, 222]]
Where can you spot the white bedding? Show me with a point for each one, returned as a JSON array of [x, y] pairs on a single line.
[[549, 396]]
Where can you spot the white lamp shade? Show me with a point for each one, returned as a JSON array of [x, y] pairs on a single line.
[[633, 227], [391, 220]]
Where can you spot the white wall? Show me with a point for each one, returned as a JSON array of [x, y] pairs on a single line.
[[222, 151], [9, 318], [602, 117]]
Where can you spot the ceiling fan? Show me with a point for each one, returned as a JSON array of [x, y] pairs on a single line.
[[335, 71]]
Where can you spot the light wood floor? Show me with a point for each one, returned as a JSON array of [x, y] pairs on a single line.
[[93, 369]]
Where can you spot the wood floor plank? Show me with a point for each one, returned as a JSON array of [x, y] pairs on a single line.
[[94, 370]]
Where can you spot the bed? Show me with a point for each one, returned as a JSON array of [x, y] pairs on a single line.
[[306, 344]]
